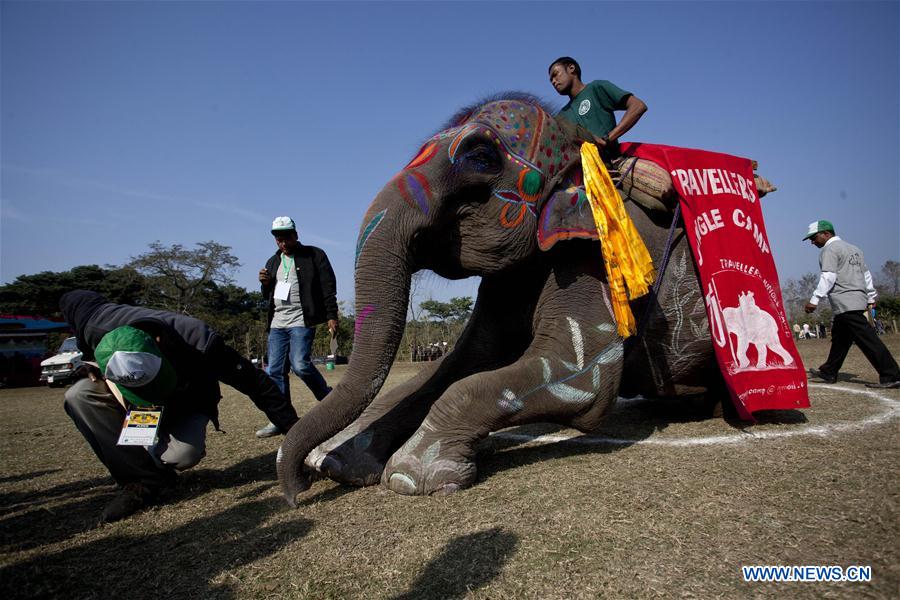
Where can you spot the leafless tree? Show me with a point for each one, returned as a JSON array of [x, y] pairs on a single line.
[[177, 276]]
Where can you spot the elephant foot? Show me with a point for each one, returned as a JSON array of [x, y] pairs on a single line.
[[349, 457], [423, 468]]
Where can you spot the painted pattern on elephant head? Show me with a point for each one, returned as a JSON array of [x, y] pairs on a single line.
[[526, 138], [491, 162]]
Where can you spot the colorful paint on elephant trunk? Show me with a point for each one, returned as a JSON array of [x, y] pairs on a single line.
[[361, 317], [367, 231]]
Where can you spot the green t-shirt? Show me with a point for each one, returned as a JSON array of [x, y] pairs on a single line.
[[593, 107]]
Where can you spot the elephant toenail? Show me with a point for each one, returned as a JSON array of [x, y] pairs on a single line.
[[402, 484]]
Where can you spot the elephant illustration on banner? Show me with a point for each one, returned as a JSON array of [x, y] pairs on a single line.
[[497, 193], [750, 324]]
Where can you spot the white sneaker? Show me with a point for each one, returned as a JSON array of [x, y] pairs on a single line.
[[268, 431]]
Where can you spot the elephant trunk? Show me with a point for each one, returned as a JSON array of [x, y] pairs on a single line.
[[382, 295]]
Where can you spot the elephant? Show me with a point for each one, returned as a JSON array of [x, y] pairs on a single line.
[[498, 193]]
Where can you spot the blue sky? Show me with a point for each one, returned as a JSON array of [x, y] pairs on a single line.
[[125, 123]]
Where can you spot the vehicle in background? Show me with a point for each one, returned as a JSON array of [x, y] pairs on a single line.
[[60, 369]]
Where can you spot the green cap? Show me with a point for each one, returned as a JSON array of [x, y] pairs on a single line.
[[817, 226], [131, 359]]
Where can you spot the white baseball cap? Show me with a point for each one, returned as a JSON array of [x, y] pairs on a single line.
[[283, 224]]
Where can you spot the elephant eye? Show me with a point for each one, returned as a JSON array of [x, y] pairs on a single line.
[[483, 158]]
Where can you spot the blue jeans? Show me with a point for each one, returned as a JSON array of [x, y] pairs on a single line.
[[296, 342]]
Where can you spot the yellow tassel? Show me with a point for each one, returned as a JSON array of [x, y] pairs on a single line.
[[628, 263]]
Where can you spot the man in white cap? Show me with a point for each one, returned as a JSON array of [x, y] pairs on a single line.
[[162, 362], [299, 285], [847, 282]]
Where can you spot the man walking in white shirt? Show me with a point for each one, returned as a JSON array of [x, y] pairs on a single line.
[[846, 281]]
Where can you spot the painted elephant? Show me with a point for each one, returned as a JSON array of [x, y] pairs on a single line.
[[497, 193]]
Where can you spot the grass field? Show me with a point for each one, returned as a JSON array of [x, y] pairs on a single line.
[[660, 502]]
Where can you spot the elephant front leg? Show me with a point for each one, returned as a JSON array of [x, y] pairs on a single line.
[[492, 338], [356, 455], [574, 388]]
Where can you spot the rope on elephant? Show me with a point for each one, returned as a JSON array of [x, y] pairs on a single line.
[[629, 267]]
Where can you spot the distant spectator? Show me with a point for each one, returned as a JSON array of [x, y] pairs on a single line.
[[300, 287]]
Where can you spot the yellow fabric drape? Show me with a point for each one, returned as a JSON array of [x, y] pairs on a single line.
[[628, 263]]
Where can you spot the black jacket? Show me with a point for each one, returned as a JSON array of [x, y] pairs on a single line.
[[318, 288], [199, 355]]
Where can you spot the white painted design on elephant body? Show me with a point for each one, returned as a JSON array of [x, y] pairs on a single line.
[[509, 403], [750, 324], [577, 345], [431, 453], [360, 443], [412, 442], [560, 389]]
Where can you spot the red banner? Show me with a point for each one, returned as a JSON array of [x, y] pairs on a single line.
[[753, 340]]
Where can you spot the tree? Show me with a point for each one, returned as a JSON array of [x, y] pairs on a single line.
[[796, 293], [460, 308], [177, 278], [39, 294], [238, 315], [889, 306], [889, 279], [450, 318], [344, 334], [438, 311]]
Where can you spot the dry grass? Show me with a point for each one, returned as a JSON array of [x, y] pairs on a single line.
[[564, 520]]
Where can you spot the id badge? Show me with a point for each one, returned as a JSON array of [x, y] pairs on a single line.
[[282, 290], [140, 427]]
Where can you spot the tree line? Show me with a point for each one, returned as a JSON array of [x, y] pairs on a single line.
[[199, 282]]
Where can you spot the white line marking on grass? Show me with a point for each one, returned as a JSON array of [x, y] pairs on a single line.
[[892, 410]]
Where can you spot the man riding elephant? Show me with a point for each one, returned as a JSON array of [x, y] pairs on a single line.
[[591, 106]]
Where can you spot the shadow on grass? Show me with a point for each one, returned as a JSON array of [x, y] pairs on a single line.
[[466, 564], [27, 476], [42, 524], [628, 423], [46, 522], [328, 495], [180, 563], [13, 501]]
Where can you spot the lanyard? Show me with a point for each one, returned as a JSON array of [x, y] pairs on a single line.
[[286, 267]]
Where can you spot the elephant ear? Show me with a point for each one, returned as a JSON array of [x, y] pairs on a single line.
[[566, 215]]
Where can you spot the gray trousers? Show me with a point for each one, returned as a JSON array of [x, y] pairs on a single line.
[[98, 416]]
